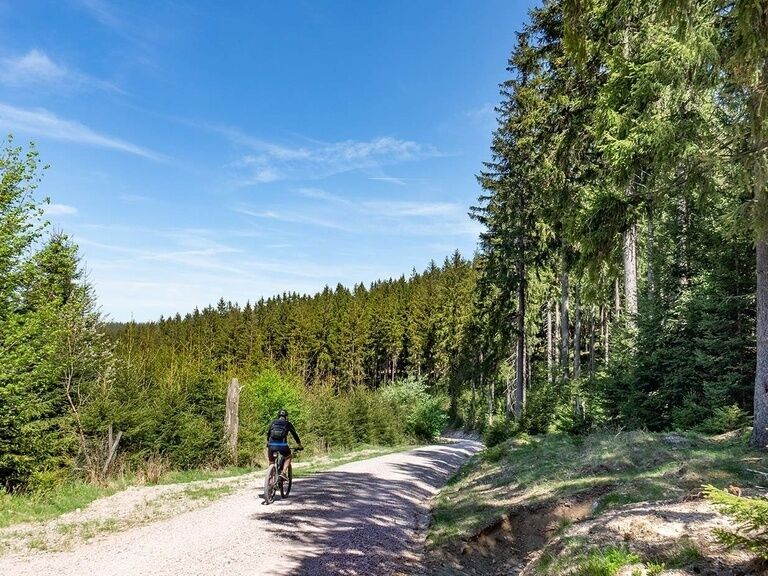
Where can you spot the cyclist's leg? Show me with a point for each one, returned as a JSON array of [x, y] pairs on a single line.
[[287, 462]]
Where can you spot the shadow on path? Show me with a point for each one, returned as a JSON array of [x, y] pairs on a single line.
[[342, 522]]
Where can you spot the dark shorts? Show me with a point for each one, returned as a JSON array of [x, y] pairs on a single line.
[[271, 449]]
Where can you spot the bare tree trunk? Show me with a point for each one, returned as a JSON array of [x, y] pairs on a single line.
[[577, 336], [649, 274], [556, 336], [682, 242], [231, 418], [112, 450], [605, 332], [616, 299], [492, 391], [630, 270], [759, 437], [564, 326], [520, 364], [550, 350], [592, 343], [509, 404], [759, 112]]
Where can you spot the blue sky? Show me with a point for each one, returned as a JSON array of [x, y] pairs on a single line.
[[201, 150]]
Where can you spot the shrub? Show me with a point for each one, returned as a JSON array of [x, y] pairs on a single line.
[[751, 514], [498, 431], [423, 414], [725, 419]]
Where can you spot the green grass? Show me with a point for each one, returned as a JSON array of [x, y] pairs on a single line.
[[207, 493], [184, 476], [17, 508], [605, 562], [617, 468]]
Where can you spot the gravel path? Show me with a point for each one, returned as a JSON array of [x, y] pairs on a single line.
[[365, 517]]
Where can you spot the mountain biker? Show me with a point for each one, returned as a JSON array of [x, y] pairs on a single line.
[[277, 439]]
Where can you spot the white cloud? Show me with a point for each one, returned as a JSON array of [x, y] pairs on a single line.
[[40, 122], [35, 69], [398, 209], [294, 218], [59, 209], [32, 68], [313, 160], [390, 179], [319, 194]]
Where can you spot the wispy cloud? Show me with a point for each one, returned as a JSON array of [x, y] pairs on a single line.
[[35, 69], [395, 208], [59, 210], [40, 122], [109, 15], [320, 194], [134, 198], [269, 162], [399, 209], [294, 218], [390, 179]]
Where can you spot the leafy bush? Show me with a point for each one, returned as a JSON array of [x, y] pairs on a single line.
[[751, 514], [424, 415], [725, 419], [498, 431], [261, 398]]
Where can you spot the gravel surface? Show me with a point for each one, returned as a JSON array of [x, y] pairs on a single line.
[[366, 517]]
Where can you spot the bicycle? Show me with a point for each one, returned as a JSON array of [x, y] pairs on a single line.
[[274, 481]]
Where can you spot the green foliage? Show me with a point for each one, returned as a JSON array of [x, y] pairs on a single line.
[[51, 350], [606, 562], [725, 419], [424, 414], [498, 431], [751, 515]]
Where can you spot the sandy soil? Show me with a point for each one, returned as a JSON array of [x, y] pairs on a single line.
[[366, 517]]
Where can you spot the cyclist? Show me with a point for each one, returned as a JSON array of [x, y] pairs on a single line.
[[277, 439]]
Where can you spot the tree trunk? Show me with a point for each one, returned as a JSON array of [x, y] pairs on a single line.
[[605, 332], [564, 326], [630, 270], [231, 418], [577, 336], [592, 343], [759, 168], [520, 364], [550, 350], [509, 403], [649, 274], [492, 391], [759, 437]]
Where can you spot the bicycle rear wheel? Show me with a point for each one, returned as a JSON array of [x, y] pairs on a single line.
[[285, 485], [270, 484]]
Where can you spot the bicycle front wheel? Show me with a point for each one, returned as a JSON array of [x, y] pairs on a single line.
[[270, 484], [285, 485]]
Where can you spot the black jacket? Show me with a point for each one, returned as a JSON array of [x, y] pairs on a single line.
[[291, 430]]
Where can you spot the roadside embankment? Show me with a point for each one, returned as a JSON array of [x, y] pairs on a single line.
[[609, 503]]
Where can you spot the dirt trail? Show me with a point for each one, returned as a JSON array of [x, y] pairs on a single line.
[[365, 517]]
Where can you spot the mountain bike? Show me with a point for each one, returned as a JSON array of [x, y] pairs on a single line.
[[273, 481]]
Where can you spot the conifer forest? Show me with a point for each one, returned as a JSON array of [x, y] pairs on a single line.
[[620, 279]]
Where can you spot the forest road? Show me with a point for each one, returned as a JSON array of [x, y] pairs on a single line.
[[366, 517]]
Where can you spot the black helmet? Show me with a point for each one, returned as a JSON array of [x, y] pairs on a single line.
[[283, 413]]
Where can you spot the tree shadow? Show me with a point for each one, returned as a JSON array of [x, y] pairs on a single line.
[[362, 523]]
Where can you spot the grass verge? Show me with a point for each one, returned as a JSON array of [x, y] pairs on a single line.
[[532, 476]]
